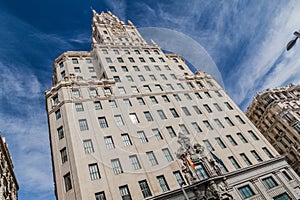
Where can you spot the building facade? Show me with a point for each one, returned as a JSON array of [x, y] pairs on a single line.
[[8, 183], [115, 115], [276, 113]]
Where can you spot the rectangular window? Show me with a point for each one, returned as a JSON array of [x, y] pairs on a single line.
[[124, 68], [167, 67], [107, 91], [120, 60], [100, 196], [94, 171], [121, 90], [152, 77], [179, 178], [119, 120], [167, 154], [83, 125], [207, 94], [196, 127], [198, 95], [228, 106], [234, 162], [229, 122], [240, 119], [184, 129], [74, 60], [57, 114], [174, 112], [176, 96], [231, 140], [163, 77], [161, 59], [220, 142], [246, 191], [102, 122], [63, 155], [207, 108], [134, 89], [170, 86], [68, 182], [127, 102], [137, 52], [208, 126], [190, 85], [147, 68], [254, 137], [134, 118], [126, 139], [218, 93], [109, 142], [171, 131], [93, 92], [79, 107], [219, 124], [256, 156], [108, 60], [208, 145], [180, 86], [246, 159], [116, 52], [242, 138], [131, 60], [112, 69], [145, 188], [142, 59], [173, 76], [117, 79], [153, 100], [197, 110], [267, 152], [269, 182], [140, 100], [152, 158], [135, 162], [77, 70], [112, 103], [124, 192], [286, 176], [188, 97], [165, 98], [129, 78], [157, 134], [186, 111], [63, 74], [97, 105], [163, 183], [217, 107], [142, 137], [201, 172], [116, 165], [141, 77], [283, 196], [88, 146], [104, 51], [148, 116], [158, 87], [60, 133], [151, 59]]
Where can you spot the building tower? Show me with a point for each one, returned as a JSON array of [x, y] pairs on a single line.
[[116, 113], [276, 113], [8, 183]]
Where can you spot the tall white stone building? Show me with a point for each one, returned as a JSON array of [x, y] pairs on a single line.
[[276, 113], [115, 114]]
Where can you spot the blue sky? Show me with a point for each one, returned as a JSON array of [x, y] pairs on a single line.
[[246, 40]]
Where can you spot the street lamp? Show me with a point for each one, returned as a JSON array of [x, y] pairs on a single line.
[[293, 42]]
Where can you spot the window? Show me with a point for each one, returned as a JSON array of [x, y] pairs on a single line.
[[117, 79], [167, 154], [108, 60], [112, 103], [148, 116], [283, 196], [163, 77], [140, 100], [219, 124], [126, 139], [88, 146], [74, 61], [112, 69], [116, 52], [207, 108], [147, 68], [218, 93], [179, 178], [158, 87], [134, 89], [173, 76], [254, 137], [63, 155], [83, 125], [127, 102], [167, 67], [170, 86], [116, 165], [135, 162], [184, 129], [246, 159], [127, 52], [161, 59], [165, 98], [207, 94], [142, 59], [119, 120], [196, 127], [107, 91], [151, 59], [267, 152], [231, 140], [256, 156], [135, 68], [141, 77], [180, 67], [100, 196], [94, 171], [97, 105], [220, 142], [242, 138], [217, 107], [234, 162], [124, 68], [131, 60], [152, 77], [57, 114], [61, 64], [156, 52], [228, 105], [121, 90], [157, 134], [269, 182], [104, 51], [68, 183], [152, 158], [102, 122], [60, 133], [134, 118], [161, 114], [201, 172], [287, 176], [186, 111], [240, 119], [171, 131], [208, 126], [188, 97], [129, 78], [190, 85], [142, 137], [147, 88], [198, 95], [145, 188], [163, 183], [63, 74], [208, 145], [246, 191], [77, 70], [93, 92], [79, 107], [229, 122], [176, 96], [124, 191], [109, 142], [55, 99], [174, 112], [197, 110], [180, 86]]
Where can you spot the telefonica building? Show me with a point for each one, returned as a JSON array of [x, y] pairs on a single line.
[[128, 121]]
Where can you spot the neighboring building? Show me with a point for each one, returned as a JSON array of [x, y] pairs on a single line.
[[8, 182], [116, 112], [276, 113]]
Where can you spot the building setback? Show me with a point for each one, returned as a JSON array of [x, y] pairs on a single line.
[[276, 113], [8, 183], [117, 112]]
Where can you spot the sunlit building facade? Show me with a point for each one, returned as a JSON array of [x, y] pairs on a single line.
[[8, 183], [115, 116], [276, 113]]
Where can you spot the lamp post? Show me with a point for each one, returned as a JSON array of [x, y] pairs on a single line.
[[293, 42]]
